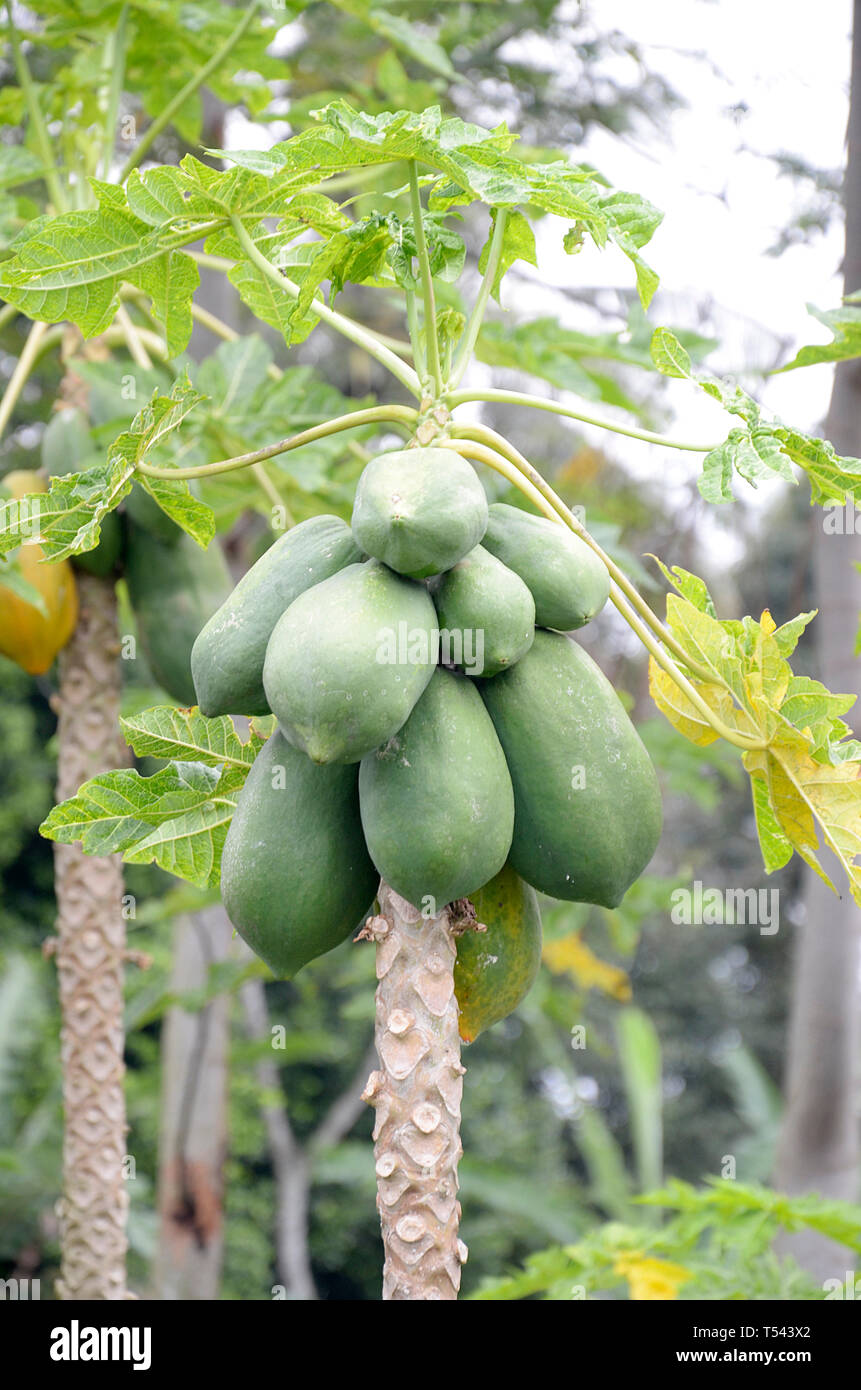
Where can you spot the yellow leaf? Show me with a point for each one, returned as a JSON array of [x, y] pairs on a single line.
[[801, 789], [648, 1278], [571, 956], [675, 705]]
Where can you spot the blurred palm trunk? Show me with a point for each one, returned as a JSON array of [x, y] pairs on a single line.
[[193, 1140], [90, 953], [819, 1143]]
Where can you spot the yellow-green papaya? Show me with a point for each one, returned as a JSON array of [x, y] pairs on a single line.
[[29, 638], [496, 968]]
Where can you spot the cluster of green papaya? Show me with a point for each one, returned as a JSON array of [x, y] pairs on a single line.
[[436, 727]]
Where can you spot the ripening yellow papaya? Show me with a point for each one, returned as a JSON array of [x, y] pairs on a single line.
[[29, 639]]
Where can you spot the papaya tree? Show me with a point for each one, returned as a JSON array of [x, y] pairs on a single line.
[[441, 748], [78, 87]]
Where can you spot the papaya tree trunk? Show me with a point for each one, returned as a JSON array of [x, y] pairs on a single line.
[[417, 1097], [90, 952]]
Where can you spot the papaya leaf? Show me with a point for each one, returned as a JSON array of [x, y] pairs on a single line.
[[690, 586], [66, 520], [832, 478], [72, 266], [562, 356], [759, 450], [167, 732], [189, 844], [775, 846], [471, 164], [518, 244], [150, 428], [805, 775], [356, 254], [177, 818], [446, 249], [669, 356], [845, 325], [413, 42]]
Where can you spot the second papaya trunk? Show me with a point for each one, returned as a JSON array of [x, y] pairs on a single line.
[[90, 953], [417, 1097]]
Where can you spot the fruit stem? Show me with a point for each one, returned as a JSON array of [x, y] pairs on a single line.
[[457, 398], [363, 337], [431, 338], [494, 460], [476, 318], [37, 120], [398, 414], [417, 1098], [22, 370], [415, 334], [113, 72], [134, 342]]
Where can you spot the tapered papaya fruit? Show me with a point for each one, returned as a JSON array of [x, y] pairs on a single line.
[[227, 657], [436, 799], [487, 611], [587, 809], [496, 968], [296, 878], [29, 638], [347, 661], [174, 589], [419, 510], [567, 580], [68, 448]]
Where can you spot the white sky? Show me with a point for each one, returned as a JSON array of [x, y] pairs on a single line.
[[788, 62]]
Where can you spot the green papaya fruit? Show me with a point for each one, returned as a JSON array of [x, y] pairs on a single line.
[[174, 589], [419, 510], [487, 611], [496, 968], [227, 657], [436, 800], [295, 874], [347, 661], [68, 448], [587, 809], [142, 508], [567, 580]]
